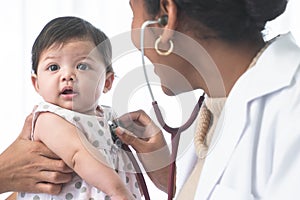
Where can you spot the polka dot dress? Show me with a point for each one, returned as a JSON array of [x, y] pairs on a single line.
[[97, 139]]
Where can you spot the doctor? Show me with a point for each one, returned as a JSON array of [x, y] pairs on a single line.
[[247, 141]]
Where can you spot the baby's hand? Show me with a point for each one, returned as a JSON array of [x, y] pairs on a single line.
[[120, 192], [122, 197]]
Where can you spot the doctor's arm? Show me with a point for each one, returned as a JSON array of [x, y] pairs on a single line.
[[31, 167], [63, 139], [138, 130]]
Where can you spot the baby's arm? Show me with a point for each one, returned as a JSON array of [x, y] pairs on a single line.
[[62, 138]]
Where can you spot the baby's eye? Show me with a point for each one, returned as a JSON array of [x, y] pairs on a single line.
[[53, 68], [82, 67]]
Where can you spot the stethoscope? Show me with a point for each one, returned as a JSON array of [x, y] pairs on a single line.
[[175, 132]]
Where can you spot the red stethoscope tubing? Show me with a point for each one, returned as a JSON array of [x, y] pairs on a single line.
[[175, 136], [139, 174]]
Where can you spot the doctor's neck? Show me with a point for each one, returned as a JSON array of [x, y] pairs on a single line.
[[232, 61]]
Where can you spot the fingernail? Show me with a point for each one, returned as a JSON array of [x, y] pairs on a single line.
[[122, 130]]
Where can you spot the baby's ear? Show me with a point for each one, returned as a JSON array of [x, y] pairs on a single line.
[[34, 82], [110, 76]]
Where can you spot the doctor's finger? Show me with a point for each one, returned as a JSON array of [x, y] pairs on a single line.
[[130, 139], [48, 188], [139, 118]]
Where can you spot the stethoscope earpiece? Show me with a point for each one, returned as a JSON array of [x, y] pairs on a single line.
[[163, 20]]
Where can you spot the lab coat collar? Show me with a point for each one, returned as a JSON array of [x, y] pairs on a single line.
[[273, 71]]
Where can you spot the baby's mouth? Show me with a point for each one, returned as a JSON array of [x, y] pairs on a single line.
[[68, 92]]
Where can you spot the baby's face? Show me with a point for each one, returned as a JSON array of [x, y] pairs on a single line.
[[71, 75]]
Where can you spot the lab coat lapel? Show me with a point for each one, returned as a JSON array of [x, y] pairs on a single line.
[[270, 74]]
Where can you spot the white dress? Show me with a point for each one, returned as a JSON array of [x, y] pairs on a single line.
[[97, 140]]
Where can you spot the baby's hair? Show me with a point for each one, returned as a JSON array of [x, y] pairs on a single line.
[[63, 29]]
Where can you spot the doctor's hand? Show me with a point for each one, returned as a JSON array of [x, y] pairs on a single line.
[[28, 166], [138, 130]]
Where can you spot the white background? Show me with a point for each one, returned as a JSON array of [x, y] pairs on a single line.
[[22, 20]]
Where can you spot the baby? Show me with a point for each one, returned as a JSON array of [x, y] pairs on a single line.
[[71, 68]]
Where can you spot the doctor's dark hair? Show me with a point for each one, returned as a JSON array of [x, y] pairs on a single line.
[[230, 20], [63, 29]]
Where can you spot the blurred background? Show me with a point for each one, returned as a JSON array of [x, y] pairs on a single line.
[[22, 20]]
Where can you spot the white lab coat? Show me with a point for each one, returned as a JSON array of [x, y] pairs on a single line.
[[255, 153]]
